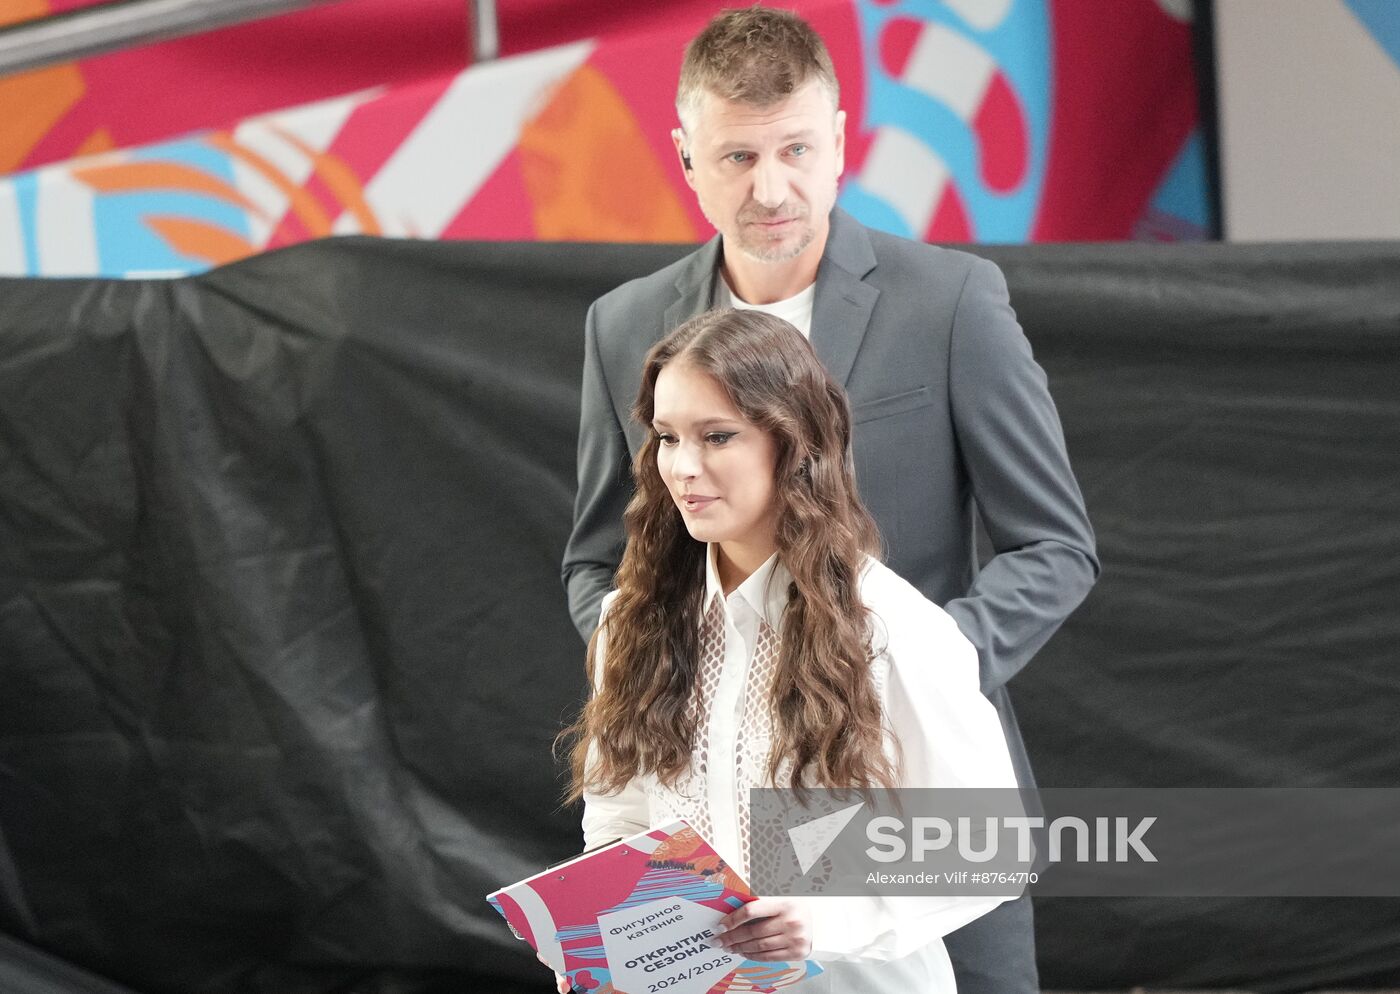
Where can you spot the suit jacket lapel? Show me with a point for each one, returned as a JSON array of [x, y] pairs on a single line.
[[844, 301], [842, 307], [696, 285]]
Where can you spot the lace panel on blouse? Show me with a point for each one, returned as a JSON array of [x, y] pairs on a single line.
[[752, 743]]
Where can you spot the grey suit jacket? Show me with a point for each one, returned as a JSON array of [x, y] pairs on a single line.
[[949, 406]]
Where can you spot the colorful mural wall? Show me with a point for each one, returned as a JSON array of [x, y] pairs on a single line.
[[154, 92], [968, 120]]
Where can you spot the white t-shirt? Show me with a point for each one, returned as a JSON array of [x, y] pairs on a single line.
[[796, 310]]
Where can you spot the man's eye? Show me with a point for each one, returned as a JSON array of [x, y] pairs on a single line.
[[738, 157], [799, 150], [719, 437]]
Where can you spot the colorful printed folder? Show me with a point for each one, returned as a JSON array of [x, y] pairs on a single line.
[[637, 917]]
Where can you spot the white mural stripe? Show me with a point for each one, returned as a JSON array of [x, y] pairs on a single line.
[[66, 231], [950, 68], [905, 173], [982, 14], [348, 224], [316, 124], [462, 140]]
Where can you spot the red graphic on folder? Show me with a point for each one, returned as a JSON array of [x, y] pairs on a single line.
[[638, 916]]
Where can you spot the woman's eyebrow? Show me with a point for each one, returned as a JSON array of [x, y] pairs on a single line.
[[702, 423]]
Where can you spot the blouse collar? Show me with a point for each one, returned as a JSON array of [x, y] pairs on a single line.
[[765, 590]]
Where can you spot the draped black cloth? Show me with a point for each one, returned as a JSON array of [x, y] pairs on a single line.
[[283, 644]]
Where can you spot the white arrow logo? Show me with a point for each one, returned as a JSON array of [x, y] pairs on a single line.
[[811, 839]]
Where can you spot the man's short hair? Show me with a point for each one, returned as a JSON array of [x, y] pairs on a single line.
[[755, 55]]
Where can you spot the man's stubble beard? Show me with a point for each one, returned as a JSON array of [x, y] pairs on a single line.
[[779, 253], [785, 253]]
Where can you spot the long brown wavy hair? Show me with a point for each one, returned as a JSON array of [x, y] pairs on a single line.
[[826, 714]]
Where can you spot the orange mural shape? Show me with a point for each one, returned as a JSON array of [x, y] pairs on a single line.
[[339, 178], [304, 207], [14, 11], [33, 103], [212, 243], [125, 177], [99, 141], [201, 240], [581, 187]]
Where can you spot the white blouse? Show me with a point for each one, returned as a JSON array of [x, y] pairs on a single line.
[[950, 736]]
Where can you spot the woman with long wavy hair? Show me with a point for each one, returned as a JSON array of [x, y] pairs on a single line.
[[754, 639]]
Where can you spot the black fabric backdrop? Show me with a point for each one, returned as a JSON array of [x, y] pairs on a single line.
[[283, 644]]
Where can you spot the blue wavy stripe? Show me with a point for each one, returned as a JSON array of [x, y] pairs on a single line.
[[578, 932], [656, 884], [589, 952]]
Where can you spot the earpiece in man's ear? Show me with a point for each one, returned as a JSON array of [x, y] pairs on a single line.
[[679, 136]]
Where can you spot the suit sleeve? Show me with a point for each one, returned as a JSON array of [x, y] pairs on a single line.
[[1014, 450], [596, 542]]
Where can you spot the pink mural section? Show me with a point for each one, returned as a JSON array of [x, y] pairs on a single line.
[[216, 79], [1125, 104]]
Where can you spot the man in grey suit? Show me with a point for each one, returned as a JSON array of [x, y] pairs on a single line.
[[951, 411]]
